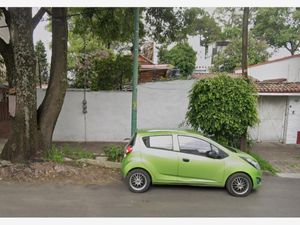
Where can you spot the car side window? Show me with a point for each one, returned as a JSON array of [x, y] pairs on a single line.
[[193, 145], [159, 142]]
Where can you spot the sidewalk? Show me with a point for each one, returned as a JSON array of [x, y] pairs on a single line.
[[284, 157]]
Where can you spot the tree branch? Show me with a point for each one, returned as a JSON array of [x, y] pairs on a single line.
[[37, 17], [6, 15], [48, 10]]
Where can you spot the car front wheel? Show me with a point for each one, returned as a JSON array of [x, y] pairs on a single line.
[[239, 185], [138, 180]]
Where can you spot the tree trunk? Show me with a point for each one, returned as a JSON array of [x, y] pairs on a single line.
[[243, 142], [22, 143], [6, 50], [50, 108]]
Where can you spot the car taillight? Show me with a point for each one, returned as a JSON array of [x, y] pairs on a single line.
[[128, 149]]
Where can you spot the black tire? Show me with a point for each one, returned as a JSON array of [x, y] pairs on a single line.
[[138, 180], [239, 185]]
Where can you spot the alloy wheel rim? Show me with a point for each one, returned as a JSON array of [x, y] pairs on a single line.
[[137, 181], [240, 185]]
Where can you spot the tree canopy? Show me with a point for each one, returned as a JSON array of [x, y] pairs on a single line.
[[230, 58], [181, 56], [280, 27]]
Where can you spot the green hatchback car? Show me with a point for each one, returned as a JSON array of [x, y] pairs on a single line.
[[187, 158]]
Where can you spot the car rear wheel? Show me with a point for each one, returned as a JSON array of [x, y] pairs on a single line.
[[138, 180], [239, 185]]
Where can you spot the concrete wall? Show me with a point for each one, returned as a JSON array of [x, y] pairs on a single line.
[[160, 105], [289, 69]]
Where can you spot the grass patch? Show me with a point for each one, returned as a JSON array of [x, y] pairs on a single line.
[[114, 153], [264, 164], [58, 154]]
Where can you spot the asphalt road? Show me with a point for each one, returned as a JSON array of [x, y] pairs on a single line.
[[279, 197]]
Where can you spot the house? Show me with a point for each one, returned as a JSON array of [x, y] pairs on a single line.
[[150, 71], [279, 99], [283, 68]]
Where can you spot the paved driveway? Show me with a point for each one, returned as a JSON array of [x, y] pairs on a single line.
[[284, 157], [278, 197]]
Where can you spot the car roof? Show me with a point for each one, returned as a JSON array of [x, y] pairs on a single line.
[[147, 132]]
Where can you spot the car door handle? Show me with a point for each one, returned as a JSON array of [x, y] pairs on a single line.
[[185, 160]]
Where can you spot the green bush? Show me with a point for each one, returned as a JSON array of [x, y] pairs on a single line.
[[57, 154], [223, 108], [114, 153]]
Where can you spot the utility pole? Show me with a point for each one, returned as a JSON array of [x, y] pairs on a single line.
[[243, 141], [135, 72]]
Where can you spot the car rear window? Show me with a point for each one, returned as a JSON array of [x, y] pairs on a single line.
[[159, 142]]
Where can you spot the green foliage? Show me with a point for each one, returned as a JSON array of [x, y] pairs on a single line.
[[76, 152], [181, 56], [264, 164], [280, 27], [54, 154], [223, 108], [107, 24], [41, 55], [106, 72], [231, 57], [201, 23], [114, 152], [57, 154]]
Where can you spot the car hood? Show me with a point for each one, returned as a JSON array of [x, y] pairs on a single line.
[[244, 154]]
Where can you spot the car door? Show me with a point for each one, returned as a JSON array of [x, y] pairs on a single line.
[[194, 165], [160, 156]]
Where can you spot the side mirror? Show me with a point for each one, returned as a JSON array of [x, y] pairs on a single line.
[[212, 154]]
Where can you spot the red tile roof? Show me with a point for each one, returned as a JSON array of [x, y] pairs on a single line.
[[280, 87], [266, 86]]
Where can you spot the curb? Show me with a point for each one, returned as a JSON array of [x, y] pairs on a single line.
[[289, 175]]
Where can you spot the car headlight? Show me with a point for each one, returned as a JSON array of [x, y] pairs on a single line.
[[252, 162]]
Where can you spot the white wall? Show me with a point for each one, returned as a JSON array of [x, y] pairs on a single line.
[[289, 69], [203, 62], [160, 105]]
